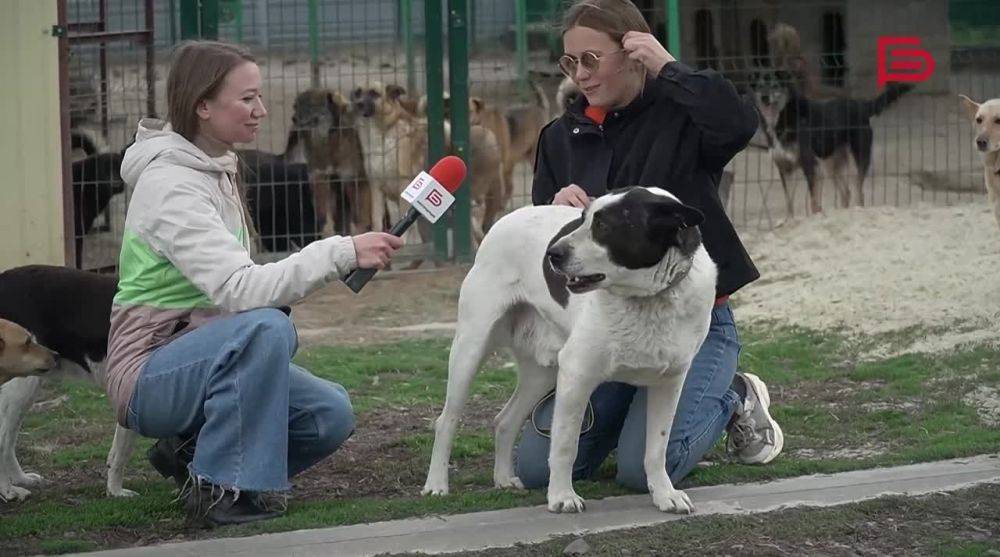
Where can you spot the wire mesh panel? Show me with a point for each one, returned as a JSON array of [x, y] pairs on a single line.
[[344, 132], [830, 136], [342, 83], [346, 128], [111, 85]]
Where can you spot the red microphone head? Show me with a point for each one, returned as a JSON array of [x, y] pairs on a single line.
[[449, 172]]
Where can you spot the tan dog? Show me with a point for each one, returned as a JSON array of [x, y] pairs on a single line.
[[20, 353], [333, 154], [485, 176], [516, 128], [394, 145], [986, 121]]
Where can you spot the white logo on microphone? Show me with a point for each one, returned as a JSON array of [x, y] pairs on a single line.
[[428, 196]]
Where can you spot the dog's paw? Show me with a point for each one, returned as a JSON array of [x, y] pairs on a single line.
[[9, 493], [566, 502], [508, 482], [673, 501], [28, 479], [121, 492], [435, 487]]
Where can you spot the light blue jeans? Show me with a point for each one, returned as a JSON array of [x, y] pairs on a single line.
[[619, 418], [259, 418]]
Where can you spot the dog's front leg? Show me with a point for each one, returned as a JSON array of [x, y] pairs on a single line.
[[573, 389], [660, 408], [121, 451], [16, 397]]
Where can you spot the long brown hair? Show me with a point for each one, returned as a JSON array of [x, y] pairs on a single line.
[[197, 70], [614, 17]]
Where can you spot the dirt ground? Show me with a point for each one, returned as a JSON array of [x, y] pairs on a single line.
[[875, 272], [965, 522]]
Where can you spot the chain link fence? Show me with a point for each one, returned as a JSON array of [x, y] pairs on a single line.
[[345, 84]]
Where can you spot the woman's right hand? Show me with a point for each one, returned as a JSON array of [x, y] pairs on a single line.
[[572, 195], [375, 249]]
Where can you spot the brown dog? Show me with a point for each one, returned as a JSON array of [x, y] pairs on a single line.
[[394, 145], [20, 353], [333, 155], [485, 176], [516, 128], [986, 121]]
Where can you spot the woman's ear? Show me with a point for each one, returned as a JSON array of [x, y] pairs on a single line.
[[201, 109]]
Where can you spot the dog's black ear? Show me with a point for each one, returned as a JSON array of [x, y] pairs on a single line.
[[393, 92], [674, 215], [477, 104]]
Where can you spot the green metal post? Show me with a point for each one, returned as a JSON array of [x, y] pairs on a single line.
[[521, 41], [458, 82], [406, 22], [314, 40], [210, 19], [238, 19], [673, 27], [434, 69], [189, 20]]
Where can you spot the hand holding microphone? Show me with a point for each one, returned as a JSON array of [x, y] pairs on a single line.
[[375, 249], [429, 194]]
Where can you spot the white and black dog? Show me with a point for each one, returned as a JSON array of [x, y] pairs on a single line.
[[623, 291], [68, 311]]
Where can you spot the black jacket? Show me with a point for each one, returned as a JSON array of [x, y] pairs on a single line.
[[677, 135]]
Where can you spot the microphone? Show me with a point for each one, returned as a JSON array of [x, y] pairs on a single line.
[[429, 195]]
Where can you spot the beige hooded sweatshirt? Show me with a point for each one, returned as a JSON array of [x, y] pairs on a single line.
[[185, 254]]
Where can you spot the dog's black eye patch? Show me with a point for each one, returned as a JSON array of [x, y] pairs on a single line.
[[641, 226]]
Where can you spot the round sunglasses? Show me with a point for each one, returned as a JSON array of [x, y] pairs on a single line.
[[590, 62]]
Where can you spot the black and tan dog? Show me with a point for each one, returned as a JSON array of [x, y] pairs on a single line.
[[322, 129], [819, 135], [68, 311]]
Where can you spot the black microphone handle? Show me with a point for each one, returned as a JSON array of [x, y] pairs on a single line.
[[358, 278]]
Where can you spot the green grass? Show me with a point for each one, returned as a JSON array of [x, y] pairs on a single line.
[[906, 409]]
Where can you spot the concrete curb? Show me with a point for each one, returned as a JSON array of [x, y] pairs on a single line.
[[504, 528]]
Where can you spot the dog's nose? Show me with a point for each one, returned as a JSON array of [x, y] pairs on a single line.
[[982, 144], [556, 255]]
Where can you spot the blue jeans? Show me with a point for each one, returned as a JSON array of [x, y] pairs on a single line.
[[259, 418], [619, 411]]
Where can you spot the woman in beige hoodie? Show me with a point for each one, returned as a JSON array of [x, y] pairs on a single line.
[[198, 356]]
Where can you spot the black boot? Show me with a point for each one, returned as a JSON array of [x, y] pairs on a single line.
[[171, 456], [209, 506]]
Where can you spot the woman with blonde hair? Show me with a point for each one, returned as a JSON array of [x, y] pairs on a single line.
[[198, 356], [645, 119]]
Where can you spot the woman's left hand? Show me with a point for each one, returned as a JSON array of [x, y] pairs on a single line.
[[646, 49]]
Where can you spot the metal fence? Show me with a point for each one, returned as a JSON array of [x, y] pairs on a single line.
[[320, 156]]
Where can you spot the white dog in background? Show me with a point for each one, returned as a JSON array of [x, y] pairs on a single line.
[[623, 291]]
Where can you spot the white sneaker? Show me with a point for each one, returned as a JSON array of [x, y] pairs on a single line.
[[754, 438]]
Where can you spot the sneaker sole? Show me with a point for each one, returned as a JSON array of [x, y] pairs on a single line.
[[760, 389]]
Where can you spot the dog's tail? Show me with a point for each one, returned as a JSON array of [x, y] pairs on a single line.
[[893, 91], [542, 99]]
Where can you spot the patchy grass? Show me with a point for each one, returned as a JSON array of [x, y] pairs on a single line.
[[839, 412]]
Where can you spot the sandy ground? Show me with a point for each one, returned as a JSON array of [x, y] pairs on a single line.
[[881, 270]]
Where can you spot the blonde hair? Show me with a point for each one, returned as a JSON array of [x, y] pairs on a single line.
[[614, 17], [197, 71]]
